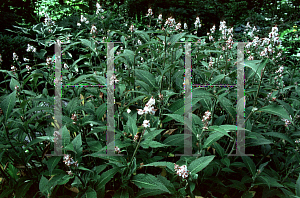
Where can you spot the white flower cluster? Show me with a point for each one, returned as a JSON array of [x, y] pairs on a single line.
[[250, 57], [26, 59], [159, 18], [69, 161], [117, 150], [113, 79], [83, 19], [178, 26], [66, 66], [181, 171], [211, 63], [74, 118], [269, 95], [13, 68], [15, 56], [185, 26], [48, 20], [131, 29], [287, 122], [99, 8], [170, 22], [93, 30], [146, 123], [148, 107], [28, 68], [17, 87], [279, 71], [136, 137], [251, 33], [48, 61], [30, 48], [213, 29], [150, 13], [197, 23], [267, 43], [205, 119]]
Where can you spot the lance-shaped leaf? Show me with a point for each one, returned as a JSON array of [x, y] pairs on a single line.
[[276, 110], [8, 104], [198, 164]]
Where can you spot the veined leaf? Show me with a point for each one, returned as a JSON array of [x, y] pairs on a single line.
[[198, 164], [276, 110], [249, 164], [106, 177], [8, 104], [149, 181], [213, 137], [146, 77]]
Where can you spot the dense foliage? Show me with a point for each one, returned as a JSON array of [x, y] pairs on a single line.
[[149, 85]]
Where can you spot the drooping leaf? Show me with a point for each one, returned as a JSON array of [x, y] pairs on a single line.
[[149, 181], [8, 104], [249, 164], [276, 110]]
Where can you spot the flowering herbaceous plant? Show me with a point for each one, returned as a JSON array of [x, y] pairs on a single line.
[[148, 122]]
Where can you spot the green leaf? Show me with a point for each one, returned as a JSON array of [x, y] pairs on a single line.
[[249, 164], [287, 107], [175, 140], [175, 38], [65, 136], [270, 181], [280, 135], [255, 66], [178, 118], [149, 192], [106, 177], [8, 104], [219, 149], [146, 77], [38, 140], [77, 143], [228, 106], [149, 181], [213, 137], [13, 83], [169, 165], [276, 110], [90, 193], [216, 79], [237, 185], [101, 110], [52, 162], [201, 93], [152, 144], [23, 188], [167, 183], [298, 186], [152, 134], [131, 124], [198, 164], [80, 79], [44, 184], [88, 44]]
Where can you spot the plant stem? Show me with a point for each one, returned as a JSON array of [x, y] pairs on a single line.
[[136, 149]]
